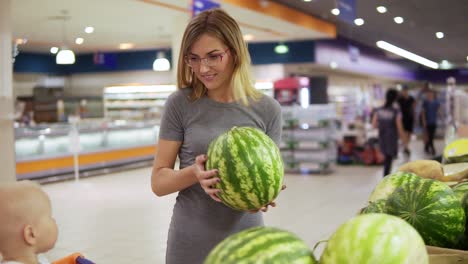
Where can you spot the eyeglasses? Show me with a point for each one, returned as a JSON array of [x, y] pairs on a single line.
[[211, 60]]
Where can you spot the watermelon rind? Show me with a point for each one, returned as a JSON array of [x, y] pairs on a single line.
[[249, 165], [375, 207], [432, 208], [261, 245], [389, 183], [375, 238]]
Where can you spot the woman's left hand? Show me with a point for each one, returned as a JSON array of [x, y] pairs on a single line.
[[265, 208]]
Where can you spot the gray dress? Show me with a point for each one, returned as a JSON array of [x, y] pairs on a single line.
[[199, 223]]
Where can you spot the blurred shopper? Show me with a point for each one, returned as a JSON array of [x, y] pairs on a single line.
[[215, 93], [388, 121], [429, 120], [407, 105], [420, 99]]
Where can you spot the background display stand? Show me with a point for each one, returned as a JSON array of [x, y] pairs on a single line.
[[308, 141]]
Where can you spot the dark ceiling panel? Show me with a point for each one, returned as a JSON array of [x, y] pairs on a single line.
[[423, 18]]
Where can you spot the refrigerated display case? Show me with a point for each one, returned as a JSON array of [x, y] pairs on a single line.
[[47, 150]]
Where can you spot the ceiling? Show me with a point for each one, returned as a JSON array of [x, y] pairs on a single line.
[[148, 24], [423, 18]]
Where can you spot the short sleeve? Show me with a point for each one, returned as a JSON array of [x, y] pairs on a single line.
[[275, 123], [172, 127]]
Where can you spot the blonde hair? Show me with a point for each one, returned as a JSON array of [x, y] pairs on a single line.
[[219, 24]]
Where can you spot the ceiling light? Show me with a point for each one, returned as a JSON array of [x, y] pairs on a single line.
[[466, 58], [281, 49], [54, 50], [248, 37], [335, 11], [359, 21], [440, 35], [398, 20], [65, 56], [381, 9], [124, 46], [333, 65], [445, 64], [161, 63], [79, 41], [307, 0], [89, 30], [406, 54]]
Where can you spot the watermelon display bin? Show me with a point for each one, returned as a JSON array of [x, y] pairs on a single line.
[[438, 255]]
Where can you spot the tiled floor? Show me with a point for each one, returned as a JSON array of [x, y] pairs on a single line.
[[117, 219]]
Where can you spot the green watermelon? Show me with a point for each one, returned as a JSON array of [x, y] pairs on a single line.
[[375, 207], [249, 165], [261, 245], [375, 238], [432, 208], [389, 183], [460, 190]]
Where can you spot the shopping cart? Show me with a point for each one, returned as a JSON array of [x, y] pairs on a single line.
[[76, 258]]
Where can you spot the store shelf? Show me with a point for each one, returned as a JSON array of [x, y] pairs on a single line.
[[135, 102], [308, 139]]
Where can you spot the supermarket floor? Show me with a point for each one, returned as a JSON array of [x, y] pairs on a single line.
[[117, 219]]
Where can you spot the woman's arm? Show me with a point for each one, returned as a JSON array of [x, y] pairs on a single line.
[[165, 180], [399, 125], [374, 120]]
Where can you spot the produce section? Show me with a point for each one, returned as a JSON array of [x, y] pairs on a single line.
[[415, 215]]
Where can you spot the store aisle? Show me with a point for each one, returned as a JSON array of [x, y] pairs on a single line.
[[117, 219]]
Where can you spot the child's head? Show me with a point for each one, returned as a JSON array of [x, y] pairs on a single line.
[[26, 224]]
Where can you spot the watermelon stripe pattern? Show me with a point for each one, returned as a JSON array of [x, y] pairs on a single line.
[[432, 208], [375, 207], [460, 190], [249, 165], [375, 238], [261, 245], [389, 184]]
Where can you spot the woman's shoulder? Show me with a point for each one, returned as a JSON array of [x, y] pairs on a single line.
[[267, 102], [180, 95]]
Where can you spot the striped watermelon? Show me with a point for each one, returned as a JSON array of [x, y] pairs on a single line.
[[389, 183], [249, 165], [375, 238], [375, 207], [460, 190], [432, 208], [261, 245]]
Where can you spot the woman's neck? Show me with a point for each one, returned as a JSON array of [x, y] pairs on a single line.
[[221, 95]]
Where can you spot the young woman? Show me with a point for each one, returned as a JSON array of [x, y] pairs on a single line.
[[388, 121], [215, 93]]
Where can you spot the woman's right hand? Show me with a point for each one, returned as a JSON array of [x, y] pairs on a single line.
[[207, 179]]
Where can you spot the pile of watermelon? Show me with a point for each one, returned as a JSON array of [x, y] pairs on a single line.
[[430, 206], [251, 172], [430, 196]]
